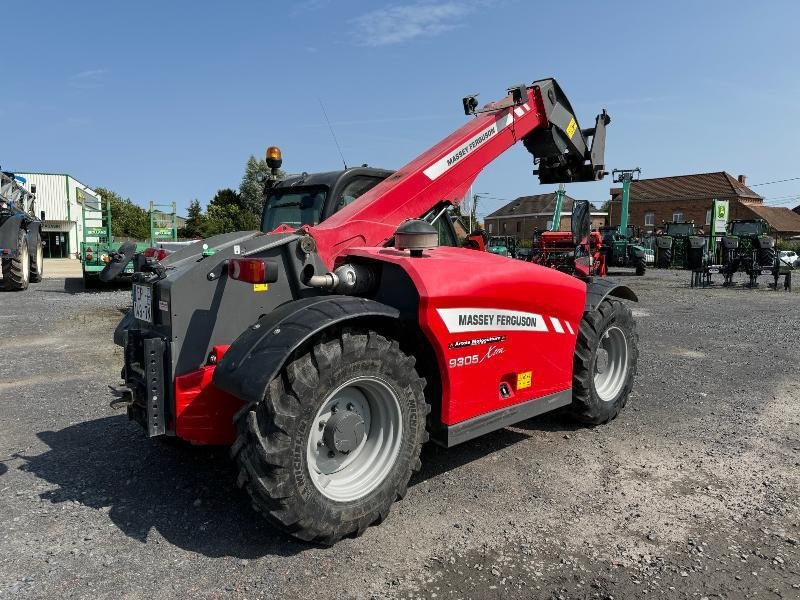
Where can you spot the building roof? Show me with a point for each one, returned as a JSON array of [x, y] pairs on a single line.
[[700, 186], [780, 218], [539, 204]]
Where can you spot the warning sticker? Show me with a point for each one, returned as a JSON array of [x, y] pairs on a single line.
[[524, 380], [573, 125], [260, 287]]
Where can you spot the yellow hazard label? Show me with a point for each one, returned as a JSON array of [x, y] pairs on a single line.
[[573, 125], [523, 380], [260, 287]]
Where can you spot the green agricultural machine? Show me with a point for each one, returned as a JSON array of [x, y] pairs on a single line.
[[98, 239], [673, 245], [619, 243], [747, 247], [504, 245]]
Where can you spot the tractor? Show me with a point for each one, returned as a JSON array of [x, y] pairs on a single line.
[[747, 247], [326, 351], [21, 255], [672, 246]]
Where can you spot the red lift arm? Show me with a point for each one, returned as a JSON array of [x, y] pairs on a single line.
[[539, 114]]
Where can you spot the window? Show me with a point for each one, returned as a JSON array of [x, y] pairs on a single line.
[[708, 217], [549, 225], [505, 226], [649, 219], [519, 226], [293, 207], [490, 227], [677, 217], [354, 189]]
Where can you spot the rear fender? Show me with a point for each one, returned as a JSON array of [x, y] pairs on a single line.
[[259, 353], [598, 289], [9, 231]]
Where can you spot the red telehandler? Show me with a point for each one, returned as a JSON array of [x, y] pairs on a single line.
[[327, 354]]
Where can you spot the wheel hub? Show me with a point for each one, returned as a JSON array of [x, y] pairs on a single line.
[[610, 364], [343, 431], [355, 439]]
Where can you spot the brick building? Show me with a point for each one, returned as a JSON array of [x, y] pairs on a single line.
[[689, 198], [522, 216]]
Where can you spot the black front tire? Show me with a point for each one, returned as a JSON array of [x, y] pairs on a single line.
[[587, 404], [271, 447], [16, 271]]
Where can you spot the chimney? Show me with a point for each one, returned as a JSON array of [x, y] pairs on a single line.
[[742, 179]]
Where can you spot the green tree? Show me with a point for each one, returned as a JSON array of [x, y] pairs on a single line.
[[225, 213], [195, 221], [251, 189], [127, 219]]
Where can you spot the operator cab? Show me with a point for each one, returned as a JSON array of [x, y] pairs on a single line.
[[308, 199]]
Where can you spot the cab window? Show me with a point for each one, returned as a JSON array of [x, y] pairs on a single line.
[[355, 189]]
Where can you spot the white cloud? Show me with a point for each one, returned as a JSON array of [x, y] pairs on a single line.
[[399, 23], [90, 74]]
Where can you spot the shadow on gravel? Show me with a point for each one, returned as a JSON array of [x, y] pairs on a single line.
[[187, 494], [3, 469], [74, 285], [437, 460]]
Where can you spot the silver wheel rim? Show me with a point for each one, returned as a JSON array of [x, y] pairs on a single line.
[[611, 364], [39, 259], [348, 476], [26, 263]]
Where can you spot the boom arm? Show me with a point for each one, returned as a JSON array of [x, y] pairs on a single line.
[[540, 115]]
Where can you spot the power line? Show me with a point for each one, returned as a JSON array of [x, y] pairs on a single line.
[[776, 181]]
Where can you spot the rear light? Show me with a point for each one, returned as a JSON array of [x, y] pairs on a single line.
[[155, 253], [252, 270]]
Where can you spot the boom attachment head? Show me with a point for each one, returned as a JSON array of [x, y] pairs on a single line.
[[562, 149]]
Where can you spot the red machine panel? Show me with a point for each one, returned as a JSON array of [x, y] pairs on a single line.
[[503, 330]]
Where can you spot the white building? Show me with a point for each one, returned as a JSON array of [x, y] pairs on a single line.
[[60, 197]]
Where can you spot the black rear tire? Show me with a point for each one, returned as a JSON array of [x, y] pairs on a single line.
[[766, 257], [16, 271], [641, 267], [589, 406], [665, 258], [37, 258], [273, 437]]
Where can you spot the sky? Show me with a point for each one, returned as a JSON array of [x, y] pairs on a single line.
[[165, 101]]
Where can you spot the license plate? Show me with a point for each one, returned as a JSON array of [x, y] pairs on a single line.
[[142, 303], [713, 270]]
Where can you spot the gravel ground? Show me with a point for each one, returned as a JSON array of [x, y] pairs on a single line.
[[691, 493]]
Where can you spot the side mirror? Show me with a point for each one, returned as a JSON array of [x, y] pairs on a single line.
[[41, 215], [581, 221]]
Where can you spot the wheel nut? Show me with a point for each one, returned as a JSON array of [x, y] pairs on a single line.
[[350, 406], [331, 453]]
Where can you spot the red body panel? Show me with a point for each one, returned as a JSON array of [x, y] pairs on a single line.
[[444, 172], [477, 287], [204, 413]]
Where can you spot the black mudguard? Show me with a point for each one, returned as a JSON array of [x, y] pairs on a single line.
[[9, 230], [259, 353], [598, 289]]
